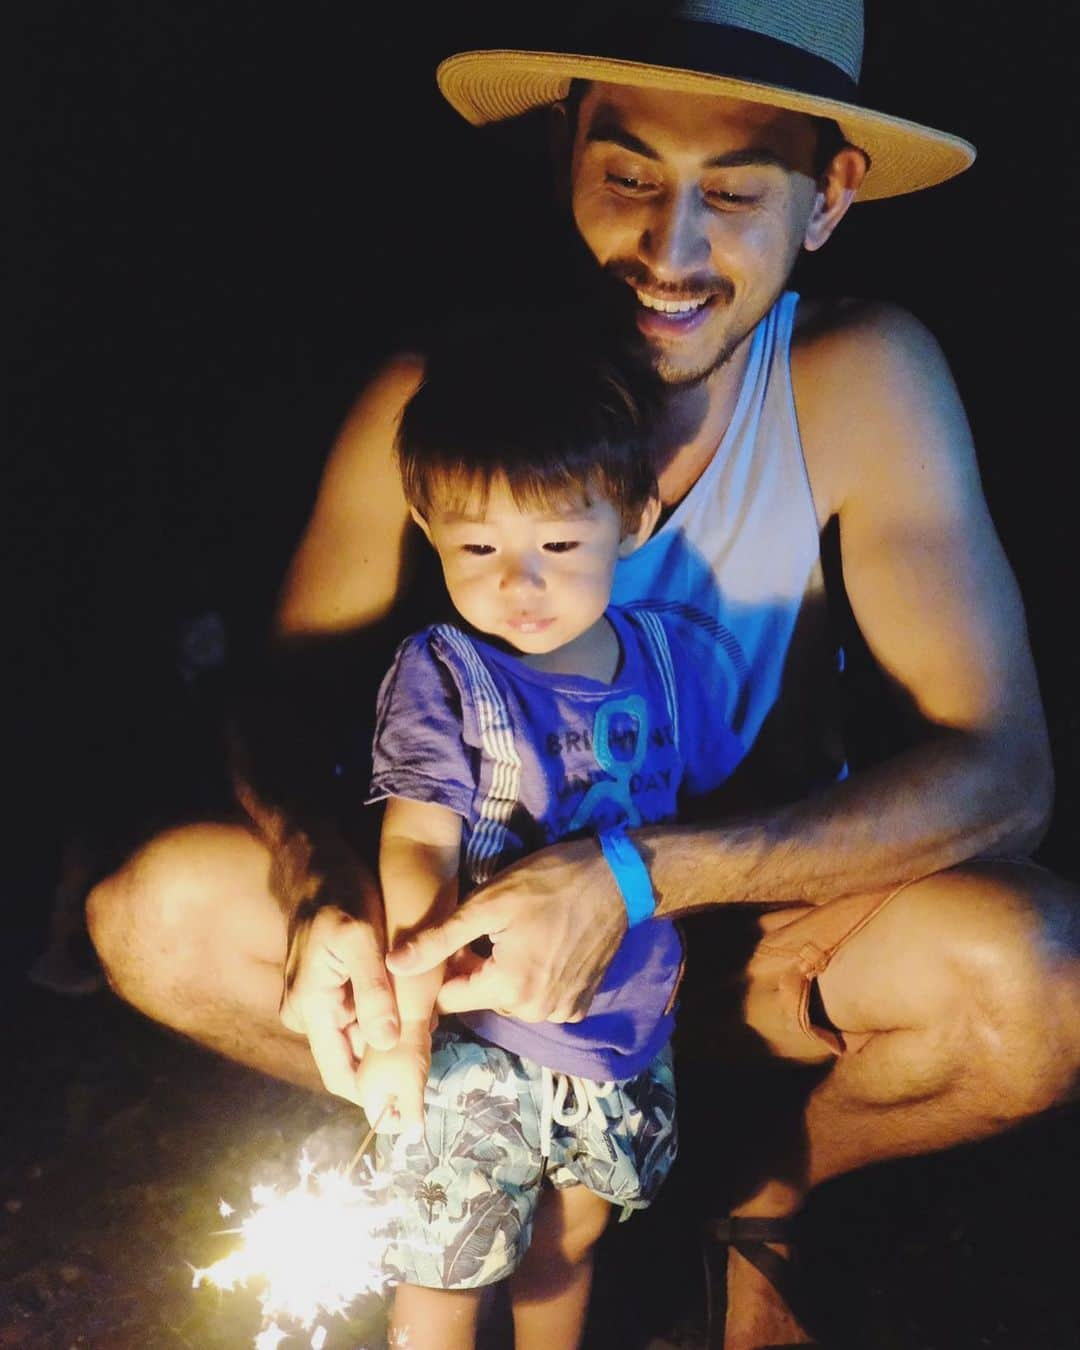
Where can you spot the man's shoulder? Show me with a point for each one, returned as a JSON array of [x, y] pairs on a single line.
[[854, 356], [394, 380], [828, 330], [860, 371]]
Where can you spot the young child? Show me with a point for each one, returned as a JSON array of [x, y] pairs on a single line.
[[543, 712]]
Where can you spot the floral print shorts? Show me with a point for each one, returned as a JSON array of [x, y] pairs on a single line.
[[496, 1126]]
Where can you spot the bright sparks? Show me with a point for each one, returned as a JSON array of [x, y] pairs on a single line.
[[312, 1251]]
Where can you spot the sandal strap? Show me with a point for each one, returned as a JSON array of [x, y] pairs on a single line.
[[777, 1269], [749, 1237], [751, 1229]]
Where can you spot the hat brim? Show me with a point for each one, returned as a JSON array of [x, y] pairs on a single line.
[[491, 86]]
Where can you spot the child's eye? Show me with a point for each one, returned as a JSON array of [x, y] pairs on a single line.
[[478, 550], [561, 545]]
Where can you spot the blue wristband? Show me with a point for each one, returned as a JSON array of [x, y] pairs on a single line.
[[631, 875]]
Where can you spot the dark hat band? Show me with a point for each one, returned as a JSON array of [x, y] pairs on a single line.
[[721, 49]]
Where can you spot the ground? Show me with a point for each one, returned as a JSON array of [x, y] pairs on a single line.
[[120, 1139]]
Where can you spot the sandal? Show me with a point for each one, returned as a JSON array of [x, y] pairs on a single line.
[[749, 1237]]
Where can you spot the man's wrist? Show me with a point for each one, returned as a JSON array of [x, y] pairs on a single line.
[[630, 874]]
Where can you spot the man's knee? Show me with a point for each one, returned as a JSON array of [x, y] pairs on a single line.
[[158, 908], [1005, 964]]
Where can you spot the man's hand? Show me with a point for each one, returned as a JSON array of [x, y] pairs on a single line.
[[554, 919], [338, 994], [393, 1081]]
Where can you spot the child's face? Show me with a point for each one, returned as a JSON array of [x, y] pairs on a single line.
[[536, 578]]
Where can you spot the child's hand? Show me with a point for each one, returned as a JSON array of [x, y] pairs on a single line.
[[397, 1077]]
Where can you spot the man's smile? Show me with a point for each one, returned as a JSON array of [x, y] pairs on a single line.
[[662, 317], [668, 306]]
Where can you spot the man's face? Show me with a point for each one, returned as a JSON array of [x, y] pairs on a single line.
[[696, 208]]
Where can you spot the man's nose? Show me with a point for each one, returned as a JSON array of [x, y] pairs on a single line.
[[674, 243]]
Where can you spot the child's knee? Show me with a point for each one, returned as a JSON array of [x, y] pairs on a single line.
[[584, 1218]]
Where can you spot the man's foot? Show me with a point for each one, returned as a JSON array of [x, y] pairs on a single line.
[[757, 1316], [760, 1284]]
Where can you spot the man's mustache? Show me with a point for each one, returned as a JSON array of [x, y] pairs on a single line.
[[692, 288]]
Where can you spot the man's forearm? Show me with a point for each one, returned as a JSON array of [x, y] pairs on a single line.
[[929, 808]]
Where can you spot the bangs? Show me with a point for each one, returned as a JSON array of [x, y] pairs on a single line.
[[459, 488]]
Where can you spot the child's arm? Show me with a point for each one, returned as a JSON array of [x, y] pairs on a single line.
[[419, 851]]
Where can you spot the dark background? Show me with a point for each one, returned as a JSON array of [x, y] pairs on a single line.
[[220, 216]]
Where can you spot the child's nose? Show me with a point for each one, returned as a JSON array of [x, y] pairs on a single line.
[[522, 574]]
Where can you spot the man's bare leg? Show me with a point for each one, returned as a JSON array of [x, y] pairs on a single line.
[[963, 999], [189, 933]]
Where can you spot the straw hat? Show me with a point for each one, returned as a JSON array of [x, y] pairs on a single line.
[[804, 55]]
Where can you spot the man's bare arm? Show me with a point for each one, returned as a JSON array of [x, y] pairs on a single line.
[[307, 690], [348, 570], [890, 453]]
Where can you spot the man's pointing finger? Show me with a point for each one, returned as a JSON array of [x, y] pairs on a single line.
[[430, 948]]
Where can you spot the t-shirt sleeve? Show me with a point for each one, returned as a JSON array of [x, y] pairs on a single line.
[[418, 750]]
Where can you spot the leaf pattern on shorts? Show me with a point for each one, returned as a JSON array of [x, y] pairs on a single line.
[[490, 1215], [486, 1118]]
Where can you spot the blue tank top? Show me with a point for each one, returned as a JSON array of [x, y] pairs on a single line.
[[743, 548]]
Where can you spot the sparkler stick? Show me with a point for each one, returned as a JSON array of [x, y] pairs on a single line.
[[368, 1138]]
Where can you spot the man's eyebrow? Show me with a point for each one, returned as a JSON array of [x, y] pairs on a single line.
[[606, 128], [749, 158]]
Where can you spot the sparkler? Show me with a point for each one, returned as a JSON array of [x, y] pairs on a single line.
[[314, 1249]]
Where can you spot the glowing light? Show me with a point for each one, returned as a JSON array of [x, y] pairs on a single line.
[[311, 1251]]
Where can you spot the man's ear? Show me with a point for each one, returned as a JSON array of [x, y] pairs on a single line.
[[422, 523], [633, 539], [836, 191], [561, 149]]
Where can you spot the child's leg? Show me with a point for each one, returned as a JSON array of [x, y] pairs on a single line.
[[549, 1291], [433, 1319]]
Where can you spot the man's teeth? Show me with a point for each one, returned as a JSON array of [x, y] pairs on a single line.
[[670, 306]]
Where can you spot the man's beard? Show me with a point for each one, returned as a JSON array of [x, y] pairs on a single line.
[[680, 377], [603, 298], [616, 283]]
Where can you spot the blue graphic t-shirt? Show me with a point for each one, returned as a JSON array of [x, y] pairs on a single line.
[[527, 758]]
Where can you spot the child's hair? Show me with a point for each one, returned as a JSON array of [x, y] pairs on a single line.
[[543, 409]]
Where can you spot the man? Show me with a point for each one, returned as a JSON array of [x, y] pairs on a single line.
[[895, 944]]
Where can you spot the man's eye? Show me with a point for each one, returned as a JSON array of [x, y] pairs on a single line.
[[628, 184], [727, 200], [561, 545], [478, 550]]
